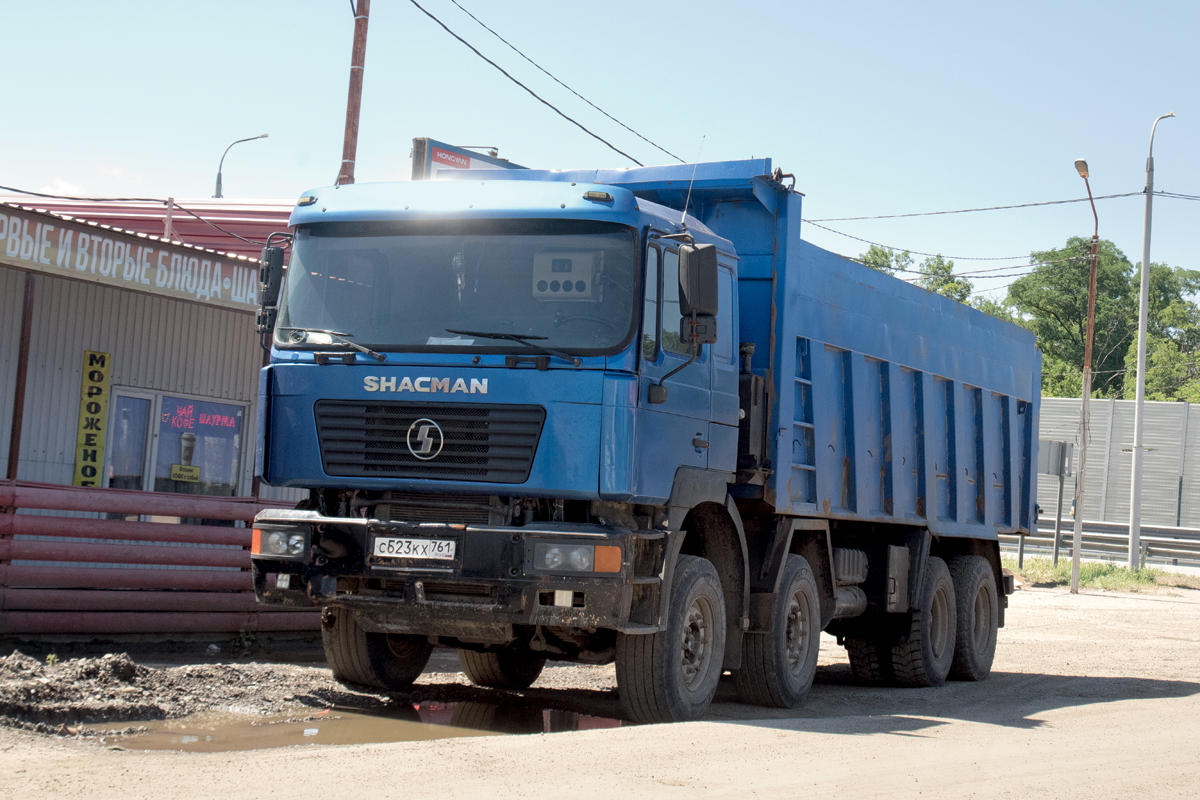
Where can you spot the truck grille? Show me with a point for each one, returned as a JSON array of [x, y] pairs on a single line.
[[447, 508], [479, 442]]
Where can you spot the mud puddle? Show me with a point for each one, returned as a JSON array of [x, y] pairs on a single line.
[[212, 732]]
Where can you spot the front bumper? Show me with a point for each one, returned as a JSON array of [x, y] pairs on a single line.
[[490, 586]]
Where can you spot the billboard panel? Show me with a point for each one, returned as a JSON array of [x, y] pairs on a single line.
[[430, 156]]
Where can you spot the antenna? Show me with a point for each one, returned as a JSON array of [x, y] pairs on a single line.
[[693, 180]]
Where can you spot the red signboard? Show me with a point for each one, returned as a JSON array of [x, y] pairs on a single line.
[[448, 159]]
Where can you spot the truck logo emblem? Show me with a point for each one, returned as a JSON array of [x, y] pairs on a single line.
[[428, 439]]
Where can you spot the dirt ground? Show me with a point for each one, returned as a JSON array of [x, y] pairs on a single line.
[[1095, 696]]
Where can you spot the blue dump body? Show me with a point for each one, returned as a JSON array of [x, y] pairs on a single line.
[[527, 435]]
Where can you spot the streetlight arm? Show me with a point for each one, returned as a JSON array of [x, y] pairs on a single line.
[[1096, 233], [1150, 154], [221, 164]]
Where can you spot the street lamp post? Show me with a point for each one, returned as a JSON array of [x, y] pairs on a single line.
[[1135, 489], [1084, 415], [222, 164]]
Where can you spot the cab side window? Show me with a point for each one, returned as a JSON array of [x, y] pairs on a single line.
[[650, 305], [724, 346], [671, 318]]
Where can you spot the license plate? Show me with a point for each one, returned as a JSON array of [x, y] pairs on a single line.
[[437, 549]]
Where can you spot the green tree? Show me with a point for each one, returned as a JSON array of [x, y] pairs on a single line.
[[1052, 300], [1173, 337], [937, 275], [997, 308], [885, 259]]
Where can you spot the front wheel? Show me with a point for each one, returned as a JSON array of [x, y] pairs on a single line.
[[778, 666], [672, 675], [390, 662]]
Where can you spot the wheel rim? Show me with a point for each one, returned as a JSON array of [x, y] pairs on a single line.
[[939, 623], [982, 631], [798, 632], [696, 645]]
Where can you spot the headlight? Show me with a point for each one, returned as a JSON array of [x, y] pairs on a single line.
[[277, 541], [565, 557]]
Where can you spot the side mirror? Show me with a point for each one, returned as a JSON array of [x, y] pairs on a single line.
[[698, 280], [702, 330], [270, 275], [270, 279]]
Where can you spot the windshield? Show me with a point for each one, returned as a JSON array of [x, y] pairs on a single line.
[[564, 284]]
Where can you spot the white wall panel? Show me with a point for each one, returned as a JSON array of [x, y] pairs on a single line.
[[156, 343]]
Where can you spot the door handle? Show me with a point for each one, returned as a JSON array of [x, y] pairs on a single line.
[[699, 443]]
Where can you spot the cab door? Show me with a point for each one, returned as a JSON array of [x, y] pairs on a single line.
[[674, 433], [726, 404]]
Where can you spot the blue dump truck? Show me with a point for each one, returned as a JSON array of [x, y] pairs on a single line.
[[631, 416]]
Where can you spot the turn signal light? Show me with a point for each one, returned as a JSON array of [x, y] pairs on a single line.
[[608, 558]]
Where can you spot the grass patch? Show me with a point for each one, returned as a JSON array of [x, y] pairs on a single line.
[[1099, 575]]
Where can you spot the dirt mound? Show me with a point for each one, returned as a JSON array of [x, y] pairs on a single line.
[[116, 688]]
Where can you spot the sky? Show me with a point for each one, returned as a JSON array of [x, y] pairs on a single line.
[[878, 108]]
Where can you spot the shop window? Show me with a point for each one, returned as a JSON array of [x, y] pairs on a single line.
[[168, 443]]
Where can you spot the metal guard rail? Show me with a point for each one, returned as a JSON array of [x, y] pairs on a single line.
[[1101, 539], [141, 577]]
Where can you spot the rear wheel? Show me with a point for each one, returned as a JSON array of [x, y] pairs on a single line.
[[672, 675], [386, 661], [870, 660], [923, 656], [778, 666], [502, 669], [978, 617]]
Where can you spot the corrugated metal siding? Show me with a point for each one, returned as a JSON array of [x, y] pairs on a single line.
[[156, 343], [12, 295], [1190, 512], [1110, 460]]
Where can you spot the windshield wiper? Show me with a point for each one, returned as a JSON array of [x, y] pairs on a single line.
[[525, 340], [343, 338]]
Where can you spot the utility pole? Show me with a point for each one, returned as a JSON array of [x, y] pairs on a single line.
[[1084, 413], [1135, 483], [358, 57]]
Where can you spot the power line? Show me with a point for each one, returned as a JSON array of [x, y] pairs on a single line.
[[568, 88], [1166, 194], [87, 199], [971, 210], [532, 93], [1121, 371], [917, 252], [218, 227]]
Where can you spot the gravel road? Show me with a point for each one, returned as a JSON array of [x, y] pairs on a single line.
[[1095, 696]]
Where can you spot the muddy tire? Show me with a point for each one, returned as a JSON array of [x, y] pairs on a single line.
[[870, 660], [384, 661], [502, 669], [778, 666], [923, 657], [978, 618], [672, 675]]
